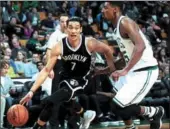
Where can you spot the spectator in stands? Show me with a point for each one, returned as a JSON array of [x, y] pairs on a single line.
[[11, 72], [161, 73], [34, 17], [31, 67], [164, 22], [48, 23], [22, 16], [17, 47], [28, 29], [33, 43], [8, 53], [44, 42], [64, 8], [110, 34], [5, 14], [6, 83], [20, 63], [75, 10], [89, 16], [162, 58], [13, 28], [50, 6]]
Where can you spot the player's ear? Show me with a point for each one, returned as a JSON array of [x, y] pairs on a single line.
[[115, 9], [81, 29]]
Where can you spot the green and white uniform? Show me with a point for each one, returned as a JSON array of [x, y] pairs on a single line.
[[134, 86]]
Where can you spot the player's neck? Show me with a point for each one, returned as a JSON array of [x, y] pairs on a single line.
[[116, 19], [74, 43], [63, 30]]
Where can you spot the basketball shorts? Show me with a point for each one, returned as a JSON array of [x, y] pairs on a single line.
[[75, 86], [133, 87]]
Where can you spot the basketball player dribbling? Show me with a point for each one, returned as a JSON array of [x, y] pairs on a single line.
[[75, 50]]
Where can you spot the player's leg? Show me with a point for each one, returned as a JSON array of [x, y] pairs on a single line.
[[54, 123], [87, 115], [58, 97], [135, 87]]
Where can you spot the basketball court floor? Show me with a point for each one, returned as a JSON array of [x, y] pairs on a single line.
[[165, 126]]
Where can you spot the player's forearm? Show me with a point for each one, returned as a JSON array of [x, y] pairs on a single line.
[[48, 54], [105, 70], [102, 71], [109, 58], [40, 79], [136, 56]]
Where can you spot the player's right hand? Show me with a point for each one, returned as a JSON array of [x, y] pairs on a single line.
[[26, 98]]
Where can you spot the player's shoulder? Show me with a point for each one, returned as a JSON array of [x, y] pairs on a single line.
[[57, 31], [127, 24], [126, 21], [89, 38]]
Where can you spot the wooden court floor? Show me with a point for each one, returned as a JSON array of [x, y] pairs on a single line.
[[164, 126]]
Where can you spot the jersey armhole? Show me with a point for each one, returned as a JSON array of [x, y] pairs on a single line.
[[86, 41]]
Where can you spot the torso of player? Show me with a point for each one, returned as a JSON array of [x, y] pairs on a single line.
[[76, 61], [126, 46]]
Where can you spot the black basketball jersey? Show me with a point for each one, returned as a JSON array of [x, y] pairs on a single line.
[[76, 62]]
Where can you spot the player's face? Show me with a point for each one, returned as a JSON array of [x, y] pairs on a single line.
[[63, 22], [74, 30], [108, 11]]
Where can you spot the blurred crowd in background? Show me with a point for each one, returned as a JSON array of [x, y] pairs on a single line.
[[26, 26]]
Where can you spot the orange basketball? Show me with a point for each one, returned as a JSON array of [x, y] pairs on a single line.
[[17, 115]]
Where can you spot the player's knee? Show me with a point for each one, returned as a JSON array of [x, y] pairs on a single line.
[[77, 108], [93, 97], [83, 97]]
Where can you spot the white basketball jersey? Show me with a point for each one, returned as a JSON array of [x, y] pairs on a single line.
[[126, 46]]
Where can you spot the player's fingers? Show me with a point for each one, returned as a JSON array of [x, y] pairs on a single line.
[[21, 102], [27, 103]]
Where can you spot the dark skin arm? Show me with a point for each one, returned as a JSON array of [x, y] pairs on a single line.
[[131, 30]]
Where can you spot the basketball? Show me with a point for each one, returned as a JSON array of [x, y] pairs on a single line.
[[17, 115]]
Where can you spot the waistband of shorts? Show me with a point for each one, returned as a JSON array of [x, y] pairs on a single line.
[[147, 68]]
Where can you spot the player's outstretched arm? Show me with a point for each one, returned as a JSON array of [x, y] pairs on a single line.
[[42, 75], [55, 52]]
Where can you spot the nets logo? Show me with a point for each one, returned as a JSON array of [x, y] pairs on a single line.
[[74, 82]]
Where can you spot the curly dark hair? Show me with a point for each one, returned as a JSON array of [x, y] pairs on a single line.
[[3, 64]]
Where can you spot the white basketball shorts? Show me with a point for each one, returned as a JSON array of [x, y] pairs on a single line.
[[133, 87]]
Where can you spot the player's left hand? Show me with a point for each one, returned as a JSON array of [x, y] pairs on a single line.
[[118, 73]]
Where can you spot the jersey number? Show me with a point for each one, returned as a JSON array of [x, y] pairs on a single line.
[[73, 65]]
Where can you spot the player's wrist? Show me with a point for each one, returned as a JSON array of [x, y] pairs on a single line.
[[31, 91]]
